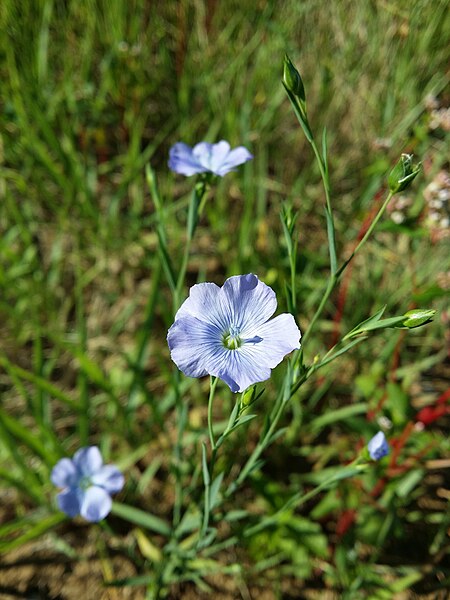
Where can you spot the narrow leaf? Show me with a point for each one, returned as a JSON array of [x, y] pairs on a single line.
[[141, 518], [340, 414], [331, 241]]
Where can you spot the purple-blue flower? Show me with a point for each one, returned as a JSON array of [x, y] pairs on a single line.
[[87, 484], [206, 158], [225, 331], [378, 446]]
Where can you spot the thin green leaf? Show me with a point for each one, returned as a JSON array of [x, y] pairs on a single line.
[[215, 489], [339, 414], [36, 531], [40, 383], [325, 149], [141, 518], [24, 435], [343, 350], [373, 319]]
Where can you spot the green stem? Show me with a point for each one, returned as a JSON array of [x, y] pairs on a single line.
[[197, 196], [323, 174], [329, 289], [212, 390], [334, 278], [261, 446], [367, 234], [300, 112], [208, 470], [181, 276], [298, 499], [206, 511], [181, 412], [196, 201]]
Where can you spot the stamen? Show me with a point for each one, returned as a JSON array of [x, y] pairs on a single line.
[[254, 340], [231, 338]]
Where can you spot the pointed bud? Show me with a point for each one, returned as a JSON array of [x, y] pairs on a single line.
[[292, 79], [249, 396], [403, 174], [378, 446], [418, 317]]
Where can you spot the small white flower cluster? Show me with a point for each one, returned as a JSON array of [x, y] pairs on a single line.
[[439, 115], [443, 280], [440, 119], [398, 208], [437, 195]]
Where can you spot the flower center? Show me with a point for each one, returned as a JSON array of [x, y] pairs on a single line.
[[232, 338], [85, 483]]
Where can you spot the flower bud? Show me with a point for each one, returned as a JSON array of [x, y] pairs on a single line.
[[403, 174], [249, 396], [292, 79], [418, 317], [378, 446]]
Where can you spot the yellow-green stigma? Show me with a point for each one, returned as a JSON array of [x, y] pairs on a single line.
[[231, 339]]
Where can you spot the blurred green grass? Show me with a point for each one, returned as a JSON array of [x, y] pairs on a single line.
[[93, 91]]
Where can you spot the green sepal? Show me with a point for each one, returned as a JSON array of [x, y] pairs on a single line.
[[403, 174], [292, 79], [418, 317]]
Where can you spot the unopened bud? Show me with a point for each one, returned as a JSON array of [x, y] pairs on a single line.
[[249, 396], [418, 317], [403, 174], [378, 446], [292, 79]]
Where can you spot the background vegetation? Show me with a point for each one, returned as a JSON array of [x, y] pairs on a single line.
[[92, 92]]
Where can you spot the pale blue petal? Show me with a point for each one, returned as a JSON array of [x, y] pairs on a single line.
[[109, 478], [204, 157], [88, 460], [96, 504], [238, 369], [183, 161], [219, 155], [247, 301], [192, 342], [378, 446], [236, 157], [65, 473], [280, 336], [69, 502], [203, 153], [204, 303]]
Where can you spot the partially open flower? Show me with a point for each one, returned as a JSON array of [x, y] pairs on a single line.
[[378, 446], [403, 174]]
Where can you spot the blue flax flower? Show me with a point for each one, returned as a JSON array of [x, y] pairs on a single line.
[[225, 331], [87, 484], [378, 446], [206, 158]]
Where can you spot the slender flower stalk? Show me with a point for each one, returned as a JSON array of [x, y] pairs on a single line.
[[212, 389], [377, 448], [298, 499], [206, 161], [198, 194]]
